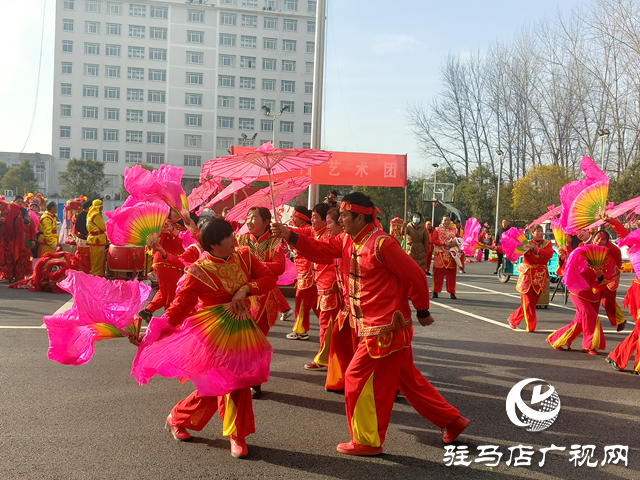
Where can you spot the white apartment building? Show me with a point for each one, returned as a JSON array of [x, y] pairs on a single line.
[[179, 82]]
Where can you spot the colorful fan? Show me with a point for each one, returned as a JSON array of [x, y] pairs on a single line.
[[133, 225], [583, 209], [580, 260], [217, 352], [558, 234], [163, 184], [594, 255], [513, 242], [470, 238]]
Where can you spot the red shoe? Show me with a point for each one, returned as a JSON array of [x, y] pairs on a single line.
[[555, 348], [238, 447], [315, 366], [353, 448], [512, 325], [593, 352], [178, 433], [455, 429]]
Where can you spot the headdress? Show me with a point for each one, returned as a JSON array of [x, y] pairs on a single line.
[[360, 210]]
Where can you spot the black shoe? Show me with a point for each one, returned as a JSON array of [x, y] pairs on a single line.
[[614, 365], [621, 326], [146, 315], [435, 295], [453, 296], [256, 392], [428, 274], [495, 273]]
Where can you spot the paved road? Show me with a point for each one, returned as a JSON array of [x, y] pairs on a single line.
[[94, 421]]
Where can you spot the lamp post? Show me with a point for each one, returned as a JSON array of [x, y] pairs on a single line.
[[248, 141], [434, 200], [602, 133], [500, 154], [267, 112]]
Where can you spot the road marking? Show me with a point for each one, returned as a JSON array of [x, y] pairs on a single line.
[[473, 315], [21, 326], [65, 307]]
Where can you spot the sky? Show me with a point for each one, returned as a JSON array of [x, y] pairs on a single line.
[[379, 59]]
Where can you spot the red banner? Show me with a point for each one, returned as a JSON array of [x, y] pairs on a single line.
[[357, 169]]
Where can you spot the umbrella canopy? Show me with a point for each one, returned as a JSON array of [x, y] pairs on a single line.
[[282, 193], [229, 190], [202, 193]]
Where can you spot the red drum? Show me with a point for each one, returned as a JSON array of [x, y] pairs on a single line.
[[128, 258]]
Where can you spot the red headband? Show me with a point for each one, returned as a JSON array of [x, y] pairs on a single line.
[[301, 215], [360, 210]]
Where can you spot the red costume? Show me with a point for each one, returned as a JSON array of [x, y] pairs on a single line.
[[49, 230], [531, 283], [306, 289], [430, 246], [12, 242], [381, 277], [168, 273], [443, 262], [609, 291], [213, 281]]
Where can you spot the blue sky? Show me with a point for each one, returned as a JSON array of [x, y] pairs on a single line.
[[380, 58]]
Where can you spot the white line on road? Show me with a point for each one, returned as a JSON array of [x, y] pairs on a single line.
[[473, 315], [65, 307], [21, 326]]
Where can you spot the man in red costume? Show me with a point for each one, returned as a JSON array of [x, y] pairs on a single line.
[[532, 279], [609, 291], [381, 278], [12, 234], [443, 263]]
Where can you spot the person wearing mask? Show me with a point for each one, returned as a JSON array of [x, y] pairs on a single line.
[[417, 241], [96, 238], [48, 227]]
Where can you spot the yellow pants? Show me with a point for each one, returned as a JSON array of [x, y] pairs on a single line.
[[97, 260]]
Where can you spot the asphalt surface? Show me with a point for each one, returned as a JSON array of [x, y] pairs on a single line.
[[95, 422]]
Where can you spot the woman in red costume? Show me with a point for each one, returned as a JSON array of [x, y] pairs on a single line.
[[12, 241], [532, 279], [430, 245], [609, 291], [444, 264], [224, 275]]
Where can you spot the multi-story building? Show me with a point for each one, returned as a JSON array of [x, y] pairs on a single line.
[[168, 82]]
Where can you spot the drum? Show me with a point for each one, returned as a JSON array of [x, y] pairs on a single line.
[[127, 258]]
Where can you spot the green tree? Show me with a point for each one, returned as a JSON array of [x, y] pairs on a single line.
[[3, 169], [628, 185], [533, 193], [83, 177], [20, 179]]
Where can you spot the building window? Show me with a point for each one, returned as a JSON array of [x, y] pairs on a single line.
[[307, 108], [67, 25], [67, 68], [245, 103], [193, 99], [311, 47], [158, 33], [157, 96], [308, 88], [196, 16], [224, 142], [290, 5], [155, 117], [226, 81], [89, 154], [270, 104], [247, 62], [157, 75], [90, 70], [39, 172], [308, 68], [67, 46], [136, 52], [65, 110], [227, 40], [289, 25], [311, 27], [270, 43], [114, 8], [157, 138], [69, 5], [91, 48], [90, 91], [248, 83], [226, 102], [250, 3], [109, 155], [112, 93], [227, 60], [89, 133], [270, 23], [306, 145], [135, 116], [109, 135], [194, 78], [194, 141], [195, 57], [306, 126], [245, 123], [288, 65], [91, 27], [311, 6], [135, 73], [112, 50], [158, 12], [248, 42], [158, 54], [65, 132], [133, 157], [136, 31], [289, 45], [135, 94], [250, 21], [285, 145], [269, 64], [92, 6], [288, 86], [229, 2], [195, 37], [134, 136], [288, 105], [137, 10], [225, 122], [65, 89], [90, 112], [112, 114], [114, 29], [192, 120], [156, 158], [266, 125], [192, 161], [65, 152], [268, 84], [228, 19], [271, 4]]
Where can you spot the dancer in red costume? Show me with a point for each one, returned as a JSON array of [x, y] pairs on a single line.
[[430, 245], [80, 227], [381, 279], [609, 291], [443, 238], [12, 233], [306, 289], [223, 275], [532, 279]]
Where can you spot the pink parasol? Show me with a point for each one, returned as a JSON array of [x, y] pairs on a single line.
[[229, 190], [277, 195], [265, 159], [552, 213], [203, 192]]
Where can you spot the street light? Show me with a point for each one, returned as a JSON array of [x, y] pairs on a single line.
[[434, 200], [267, 112], [248, 142], [602, 133], [500, 154]]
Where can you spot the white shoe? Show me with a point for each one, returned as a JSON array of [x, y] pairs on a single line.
[[298, 336], [286, 315]]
